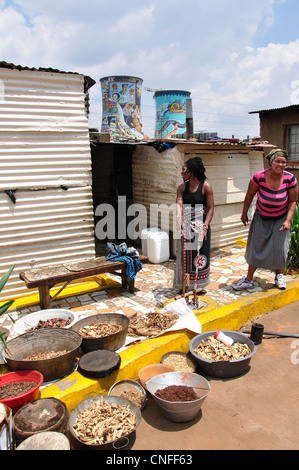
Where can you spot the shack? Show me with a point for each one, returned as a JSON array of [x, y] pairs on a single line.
[[280, 126], [151, 173], [57, 177], [45, 188]]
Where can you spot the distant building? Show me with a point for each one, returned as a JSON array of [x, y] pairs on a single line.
[[280, 126]]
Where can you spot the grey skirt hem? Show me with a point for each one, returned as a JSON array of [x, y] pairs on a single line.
[[267, 246]]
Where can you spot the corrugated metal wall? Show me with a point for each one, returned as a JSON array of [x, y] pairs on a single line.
[[45, 158], [228, 168], [155, 180]]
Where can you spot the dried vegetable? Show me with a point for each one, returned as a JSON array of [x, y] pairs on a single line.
[[47, 355], [51, 323], [104, 422], [214, 350], [151, 324], [98, 330], [133, 395]]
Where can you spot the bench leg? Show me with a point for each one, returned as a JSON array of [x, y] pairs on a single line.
[[131, 286], [124, 281], [44, 297]]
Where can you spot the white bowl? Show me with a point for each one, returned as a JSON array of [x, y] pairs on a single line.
[[31, 320]]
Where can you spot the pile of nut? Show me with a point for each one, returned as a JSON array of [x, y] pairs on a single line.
[[99, 330], [103, 422], [214, 350]]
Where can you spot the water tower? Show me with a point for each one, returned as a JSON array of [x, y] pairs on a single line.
[[170, 112], [121, 113]]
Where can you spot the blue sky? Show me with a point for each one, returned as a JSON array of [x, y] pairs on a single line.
[[285, 24], [233, 56]]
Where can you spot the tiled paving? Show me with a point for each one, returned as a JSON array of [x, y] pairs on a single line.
[[154, 285]]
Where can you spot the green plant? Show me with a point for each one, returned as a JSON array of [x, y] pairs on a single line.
[[7, 304], [293, 256]]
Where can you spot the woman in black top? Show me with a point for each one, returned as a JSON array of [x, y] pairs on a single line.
[[195, 207]]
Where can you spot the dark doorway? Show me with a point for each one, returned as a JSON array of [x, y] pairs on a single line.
[[111, 185]]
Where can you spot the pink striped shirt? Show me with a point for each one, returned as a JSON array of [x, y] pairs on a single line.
[[273, 203]]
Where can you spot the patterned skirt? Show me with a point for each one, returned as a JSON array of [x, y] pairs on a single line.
[[267, 246], [193, 255]]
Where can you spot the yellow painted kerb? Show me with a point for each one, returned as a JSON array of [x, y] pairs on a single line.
[[75, 387], [90, 284]]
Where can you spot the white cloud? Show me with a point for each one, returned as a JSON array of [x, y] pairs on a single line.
[[209, 48]]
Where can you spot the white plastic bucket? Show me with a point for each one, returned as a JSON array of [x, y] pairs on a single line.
[[158, 247], [144, 236]]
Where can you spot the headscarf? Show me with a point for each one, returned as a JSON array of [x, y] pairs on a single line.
[[276, 153]]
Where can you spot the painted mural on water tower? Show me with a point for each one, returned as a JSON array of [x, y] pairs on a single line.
[[121, 113], [170, 112]]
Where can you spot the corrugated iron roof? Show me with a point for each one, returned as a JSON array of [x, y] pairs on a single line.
[[88, 81], [274, 109]]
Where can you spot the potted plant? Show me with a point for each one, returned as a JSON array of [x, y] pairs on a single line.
[[5, 306], [293, 255]]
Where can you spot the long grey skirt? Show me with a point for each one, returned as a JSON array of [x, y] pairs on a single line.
[[267, 246]]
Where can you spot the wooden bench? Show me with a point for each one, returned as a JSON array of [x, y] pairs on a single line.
[[46, 277]]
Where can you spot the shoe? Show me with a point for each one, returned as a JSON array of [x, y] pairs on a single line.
[[243, 284], [280, 282]]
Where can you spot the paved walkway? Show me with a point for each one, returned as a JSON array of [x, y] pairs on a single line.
[[154, 285]]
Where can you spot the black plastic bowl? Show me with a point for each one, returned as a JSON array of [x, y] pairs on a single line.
[[111, 342], [223, 369]]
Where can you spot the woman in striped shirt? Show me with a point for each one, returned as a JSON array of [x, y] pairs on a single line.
[[270, 229]]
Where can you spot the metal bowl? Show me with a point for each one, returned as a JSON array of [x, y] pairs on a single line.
[[128, 385], [183, 365], [45, 340], [181, 411], [223, 369], [112, 342], [116, 443]]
